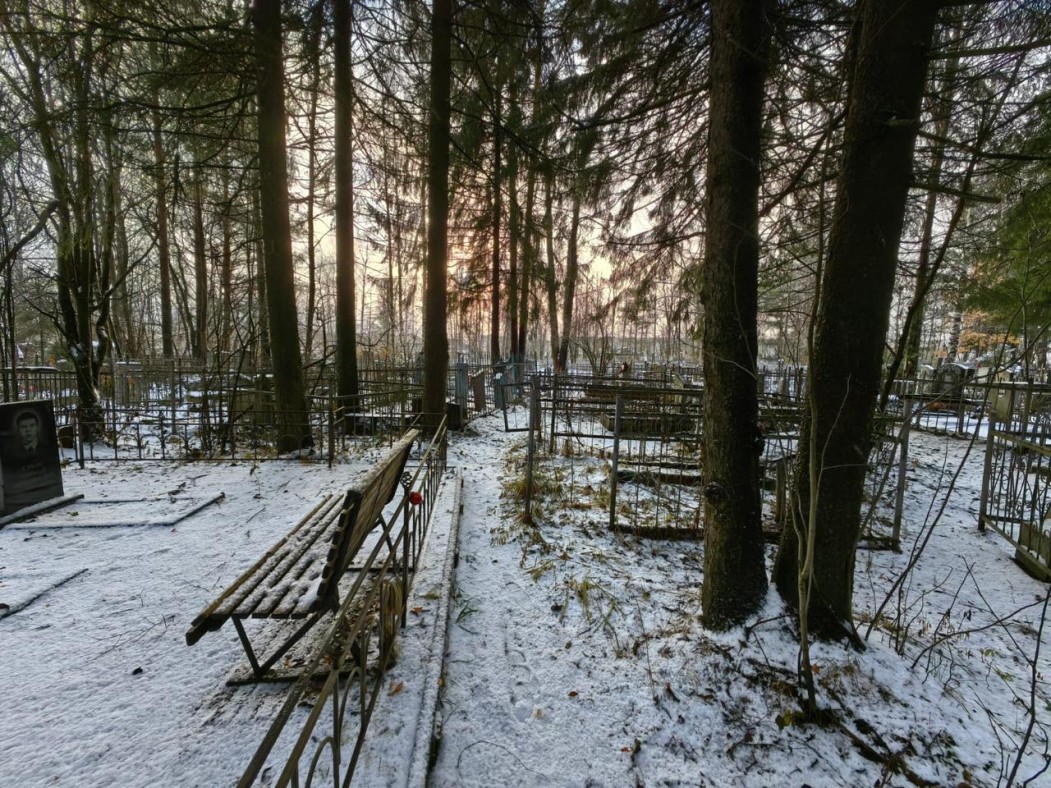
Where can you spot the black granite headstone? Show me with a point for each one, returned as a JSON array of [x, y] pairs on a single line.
[[29, 459]]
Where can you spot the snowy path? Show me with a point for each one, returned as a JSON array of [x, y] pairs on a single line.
[[495, 681], [531, 697]]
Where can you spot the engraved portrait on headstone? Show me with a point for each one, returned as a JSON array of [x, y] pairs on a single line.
[[29, 459]]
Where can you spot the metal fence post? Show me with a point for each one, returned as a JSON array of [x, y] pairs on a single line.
[[617, 414], [987, 471], [899, 494], [534, 428], [331, 430]]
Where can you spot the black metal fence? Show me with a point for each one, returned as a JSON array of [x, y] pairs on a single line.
[[180, 410], [634, 451], [1016, 480]]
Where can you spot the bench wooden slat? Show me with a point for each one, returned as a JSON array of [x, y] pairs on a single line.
[[278, 579], [213, 616], [301, 592], [281, 558], [287, 595]]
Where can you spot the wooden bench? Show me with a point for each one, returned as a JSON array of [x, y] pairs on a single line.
[[298, 578]]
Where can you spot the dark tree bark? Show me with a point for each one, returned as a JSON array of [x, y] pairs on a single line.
[[227, 274], [290, 400], [435, 335], [570, 285], [346, 321], [312, 45], [529, 257], [259, 283], [513, 238], [530, 244], [892, 39], [734, 566], [497, 181], [163, 243], [550, 274], [200, 276]]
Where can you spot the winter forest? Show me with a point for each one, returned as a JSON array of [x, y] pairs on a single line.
[[732, 252]]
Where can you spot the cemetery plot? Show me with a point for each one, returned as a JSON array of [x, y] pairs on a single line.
[[160, 511], [19, 588], [636, 450]]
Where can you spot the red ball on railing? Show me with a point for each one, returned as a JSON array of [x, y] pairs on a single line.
[[415, 498]]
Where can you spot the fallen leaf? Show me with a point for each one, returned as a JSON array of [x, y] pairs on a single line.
[[573, 693], [397, 688]]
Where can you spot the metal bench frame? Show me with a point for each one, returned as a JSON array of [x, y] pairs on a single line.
[[315, 554]]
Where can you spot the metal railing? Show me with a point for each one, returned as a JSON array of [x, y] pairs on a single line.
[[356, 650], [638, 448], [218, 428], [1016, 493]]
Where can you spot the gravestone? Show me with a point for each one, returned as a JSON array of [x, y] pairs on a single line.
[[478, 390], [30, 467], [460, 380]]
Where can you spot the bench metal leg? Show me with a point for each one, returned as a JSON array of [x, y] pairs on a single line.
[[260, 670], [386, 535], [248, 648]]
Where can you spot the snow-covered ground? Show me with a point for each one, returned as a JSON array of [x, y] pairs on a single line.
[[573, 656]]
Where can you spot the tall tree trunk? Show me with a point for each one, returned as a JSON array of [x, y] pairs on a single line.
[[529, 258], [85, 354], [313, 54], [530, 247], [513, 241], [392, 254], [570, 285], [72, 188], [888, 73], [10, 351], [130, 332], [435, 331], [200, 276], [734, 564], [112, 222], [259, 284], [497, 180], [346, 322], [227, 274], [289, 395], [163, 243], [550, 278]]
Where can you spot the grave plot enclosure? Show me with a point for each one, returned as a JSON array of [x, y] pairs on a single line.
[[631, 452], [1016, 499]]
